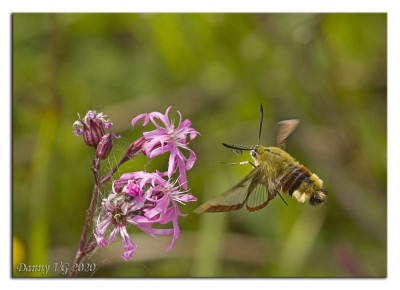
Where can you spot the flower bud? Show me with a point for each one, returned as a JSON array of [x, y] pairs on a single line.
[[104, 146], [92, 127], [93, 134], [118, 185], [135, 148], [132, 189]]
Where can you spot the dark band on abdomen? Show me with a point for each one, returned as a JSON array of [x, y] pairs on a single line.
[[294, 179]]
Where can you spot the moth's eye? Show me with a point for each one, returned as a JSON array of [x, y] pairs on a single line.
[[253, 153]]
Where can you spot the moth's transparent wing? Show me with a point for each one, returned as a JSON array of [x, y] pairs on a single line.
[[258, 198], [284, 130], [233, 199]]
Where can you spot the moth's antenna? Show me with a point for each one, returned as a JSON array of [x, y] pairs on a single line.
[[261, 121], [237, 148]]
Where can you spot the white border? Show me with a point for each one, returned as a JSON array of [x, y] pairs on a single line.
[[216, 6]]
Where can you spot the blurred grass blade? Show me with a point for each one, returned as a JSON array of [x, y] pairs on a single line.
[[39, 210], [300, 243]]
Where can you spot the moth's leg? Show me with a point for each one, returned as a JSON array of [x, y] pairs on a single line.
[[240, 163], [277, 193]]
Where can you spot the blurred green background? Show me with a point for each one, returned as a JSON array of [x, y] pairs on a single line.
[[328, 70]]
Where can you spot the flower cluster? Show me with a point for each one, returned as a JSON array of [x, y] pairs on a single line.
[[145, 199]]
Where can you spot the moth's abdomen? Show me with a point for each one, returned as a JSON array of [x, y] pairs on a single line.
[[300, 183]]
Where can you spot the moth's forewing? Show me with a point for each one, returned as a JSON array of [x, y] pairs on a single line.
[[284, 130], [233, 199]]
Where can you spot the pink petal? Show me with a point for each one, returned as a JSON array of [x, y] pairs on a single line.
[[175, 224], [159, 145], [193, 134], [101, 241], [157, 132], [102, 227], [138, 117], [188, 197], [185, 124], [128, 176], [171, 162], [182, 178], [156, 152], [180, 119], [191, 160], [109, 205], [161, 117], [129, 245], [148, 228], [160, 207]]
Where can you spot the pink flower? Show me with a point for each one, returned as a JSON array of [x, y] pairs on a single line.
[[169, 139], [163, 197], [154, 186], [117, 211], [141, 199]]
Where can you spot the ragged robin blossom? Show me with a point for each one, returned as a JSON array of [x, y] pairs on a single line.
[[169, 138], [144, 200]]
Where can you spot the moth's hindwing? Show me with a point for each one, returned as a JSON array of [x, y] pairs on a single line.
[[258, 198]]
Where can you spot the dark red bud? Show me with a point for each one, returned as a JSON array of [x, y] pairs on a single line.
[[92, 132], [135, 148], [104, 146]]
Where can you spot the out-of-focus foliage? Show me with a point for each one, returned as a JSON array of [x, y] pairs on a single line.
[[329, 70]]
